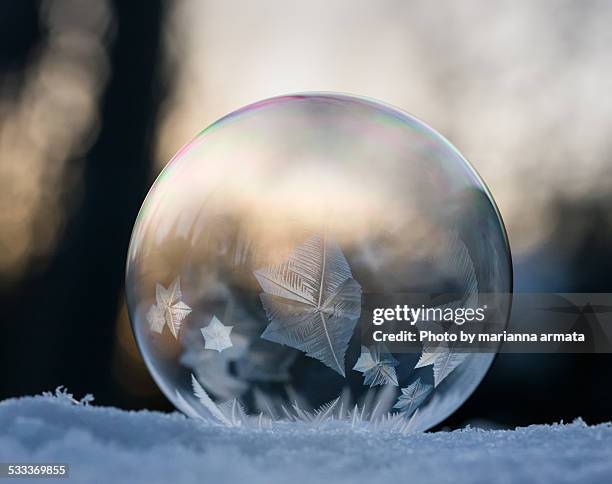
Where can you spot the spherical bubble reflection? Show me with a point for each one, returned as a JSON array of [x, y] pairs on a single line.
[[267, 241]]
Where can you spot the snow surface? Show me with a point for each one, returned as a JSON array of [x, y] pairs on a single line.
[[109, 445]]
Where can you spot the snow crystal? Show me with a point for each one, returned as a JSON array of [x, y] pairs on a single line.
[[110, 445]]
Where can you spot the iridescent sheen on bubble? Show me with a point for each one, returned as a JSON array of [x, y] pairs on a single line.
[[266, 243]]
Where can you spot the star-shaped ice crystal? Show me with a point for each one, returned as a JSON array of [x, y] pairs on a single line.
[[217, 335], [169, 309]]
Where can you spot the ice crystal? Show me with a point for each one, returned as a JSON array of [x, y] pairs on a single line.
[[312, 301], [216, 335], [377, 366], [412, 396], [370, 414], [460, 266], [169, 309], [62, 394]]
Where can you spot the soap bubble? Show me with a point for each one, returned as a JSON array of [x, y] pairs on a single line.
[[267, 241]]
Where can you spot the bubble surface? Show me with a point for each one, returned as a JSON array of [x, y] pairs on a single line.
[[269, 239]]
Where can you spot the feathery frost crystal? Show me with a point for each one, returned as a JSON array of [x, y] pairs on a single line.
[[267, 242]]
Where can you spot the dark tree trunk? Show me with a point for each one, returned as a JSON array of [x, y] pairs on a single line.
[[59, 326]]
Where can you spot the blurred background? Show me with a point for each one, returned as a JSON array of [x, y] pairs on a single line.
[[96, 96]]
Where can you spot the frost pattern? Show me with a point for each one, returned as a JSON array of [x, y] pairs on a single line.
[[230, 413], [216, 335], [61, 394], [447, 359], [213, 369], [412, 396], [169, 309], [322, 414], [428, 355], [377, 366], [372, 413], [441, 356], [207, 403], [446, 363], [312, 301]]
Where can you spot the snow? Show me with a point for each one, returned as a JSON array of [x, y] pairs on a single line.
[[110, 445]]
